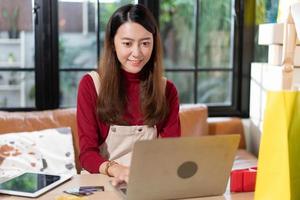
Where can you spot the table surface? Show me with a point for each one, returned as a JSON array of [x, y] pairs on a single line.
[[109, 194]]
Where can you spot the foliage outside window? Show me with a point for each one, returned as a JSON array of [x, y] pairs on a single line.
[[266, 12], [210, 71]]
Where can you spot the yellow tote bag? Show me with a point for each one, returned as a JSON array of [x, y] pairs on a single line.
[[278, 175]]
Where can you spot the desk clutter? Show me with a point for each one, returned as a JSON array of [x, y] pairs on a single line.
[[243, 180], [79, 193], [70, 197], [84, 190]]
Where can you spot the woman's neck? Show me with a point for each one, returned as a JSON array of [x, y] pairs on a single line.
[[130, 76]]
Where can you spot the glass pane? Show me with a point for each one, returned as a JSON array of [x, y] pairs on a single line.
[[215, 34], [68, 87], [107, 7], [78, 41], [184, 82], [177, 28], [265, 12], [16, 53], [17, 89], [77, 38], [214, 88]]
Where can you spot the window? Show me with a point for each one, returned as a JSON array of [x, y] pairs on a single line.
[[79, 41], [17, 86], [200, 38], [207, 45], [266, 12]]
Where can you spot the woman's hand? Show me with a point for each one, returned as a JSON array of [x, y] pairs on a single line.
[[120, 174]]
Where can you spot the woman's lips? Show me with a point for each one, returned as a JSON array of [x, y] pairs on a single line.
[[135, 62]]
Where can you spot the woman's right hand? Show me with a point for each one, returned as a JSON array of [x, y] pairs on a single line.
[[116, 170], [120, 174]]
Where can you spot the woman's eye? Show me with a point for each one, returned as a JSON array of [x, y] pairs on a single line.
[[146, 44], [126, 44]]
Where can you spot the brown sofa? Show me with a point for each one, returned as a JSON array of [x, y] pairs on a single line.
[[193, 123]]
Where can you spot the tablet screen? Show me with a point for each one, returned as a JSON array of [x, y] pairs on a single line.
[[29, 182]]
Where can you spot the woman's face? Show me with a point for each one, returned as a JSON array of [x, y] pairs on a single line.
[[133, 45]]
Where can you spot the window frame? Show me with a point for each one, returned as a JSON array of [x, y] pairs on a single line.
[[47, 57], [243, 48]]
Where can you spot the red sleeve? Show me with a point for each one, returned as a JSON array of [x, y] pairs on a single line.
[[88, 130], [171, 126]]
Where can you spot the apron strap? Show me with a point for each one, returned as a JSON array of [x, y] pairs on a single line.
[[96, 80]]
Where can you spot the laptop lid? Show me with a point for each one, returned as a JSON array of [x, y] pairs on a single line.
[[181, 167]]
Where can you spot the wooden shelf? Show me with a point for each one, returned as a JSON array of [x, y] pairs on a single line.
[[15, 93], [10, 41], [9, 87], [9, 64]]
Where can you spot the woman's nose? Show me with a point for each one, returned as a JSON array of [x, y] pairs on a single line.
[[136, 52]]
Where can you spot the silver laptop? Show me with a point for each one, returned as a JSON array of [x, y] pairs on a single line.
[[177, 168]]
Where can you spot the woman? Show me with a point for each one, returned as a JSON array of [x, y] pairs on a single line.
[[127, 99]]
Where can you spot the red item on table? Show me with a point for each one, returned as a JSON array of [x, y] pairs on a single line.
[[243, 180]]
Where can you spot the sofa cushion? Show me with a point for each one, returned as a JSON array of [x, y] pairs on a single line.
[[227, 125], [49, 151], [193, 120], [38, 120]]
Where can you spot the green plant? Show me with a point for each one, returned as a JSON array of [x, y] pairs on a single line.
[[11, 58], [31, 93], [12, 20]]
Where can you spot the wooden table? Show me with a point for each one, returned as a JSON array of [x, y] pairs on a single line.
[[109, 194]]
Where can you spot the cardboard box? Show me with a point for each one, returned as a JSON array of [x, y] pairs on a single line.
[[271, 34], [275, 55]]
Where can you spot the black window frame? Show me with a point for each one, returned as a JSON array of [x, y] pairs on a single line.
[[243, 54], [47, 57]]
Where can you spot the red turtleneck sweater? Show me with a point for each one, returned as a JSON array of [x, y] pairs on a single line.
[[92, 132]]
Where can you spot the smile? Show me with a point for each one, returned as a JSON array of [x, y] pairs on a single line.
[[135, 62]]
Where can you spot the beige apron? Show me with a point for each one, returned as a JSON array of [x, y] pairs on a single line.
[[119, 143]]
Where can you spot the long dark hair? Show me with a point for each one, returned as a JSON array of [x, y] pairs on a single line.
[[112, 96]]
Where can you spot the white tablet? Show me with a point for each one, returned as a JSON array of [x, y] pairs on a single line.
[[31, 184]]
